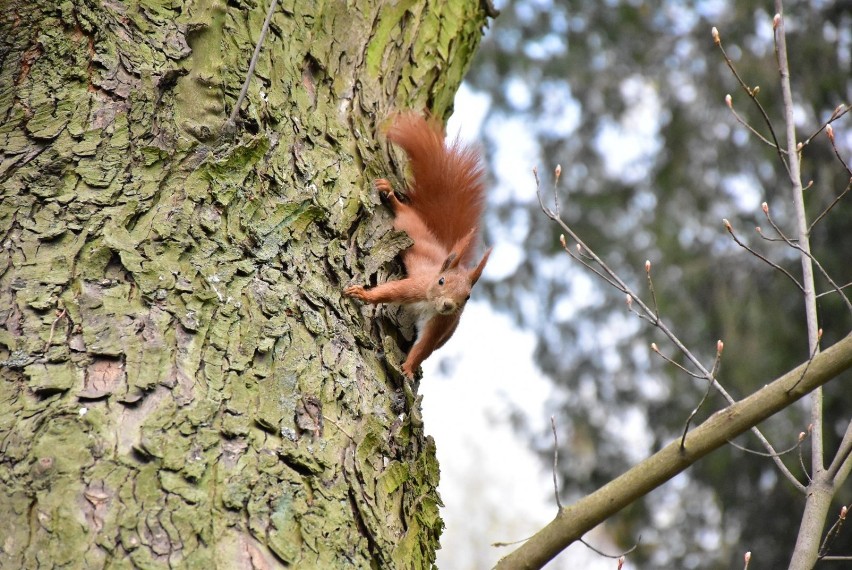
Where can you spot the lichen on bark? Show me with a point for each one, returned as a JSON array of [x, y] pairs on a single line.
[[181, 382]]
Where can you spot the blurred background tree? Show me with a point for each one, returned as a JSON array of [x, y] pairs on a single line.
[[629, 97]]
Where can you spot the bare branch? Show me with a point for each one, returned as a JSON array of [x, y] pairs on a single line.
[[574, 521]]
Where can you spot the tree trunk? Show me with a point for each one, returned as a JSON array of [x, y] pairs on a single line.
[[181, 382]]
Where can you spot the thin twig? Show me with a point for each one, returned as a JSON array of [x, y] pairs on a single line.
[[614, 556], [730, 102], [830, 132], [692, 415], [337, 425], [838, 112], [804, 468], [844, 451], [814, 352], [682, 368], [555, 463], [232, 120], [752, 93], [830, 206], [806, 253], [53, 328], [832, 533], [759, 256], [832, 292], [651, 288], [765, 237], [720, 346], [794, 447]]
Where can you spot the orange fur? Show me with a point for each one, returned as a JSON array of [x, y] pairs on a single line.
[[441, 216]]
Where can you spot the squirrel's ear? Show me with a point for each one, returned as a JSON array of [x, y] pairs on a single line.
[[476, 273], [451, 261], [462, 247]]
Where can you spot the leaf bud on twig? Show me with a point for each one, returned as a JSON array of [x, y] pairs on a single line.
[[747, 558], [802, 436], [830, 132], [776, 21], [715, 33], [729, 101], [727, 224], [629, 301], [654, 347], [765, 207], [720, 346], [647, 266], [558, 170], [843, 511]]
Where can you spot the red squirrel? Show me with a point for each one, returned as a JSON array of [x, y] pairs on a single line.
[[441, 216]]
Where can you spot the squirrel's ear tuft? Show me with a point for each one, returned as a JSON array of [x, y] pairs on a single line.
[[451, 261], [462, 248], [476, 273]]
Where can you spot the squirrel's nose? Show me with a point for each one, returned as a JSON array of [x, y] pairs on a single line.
[[447, 307]]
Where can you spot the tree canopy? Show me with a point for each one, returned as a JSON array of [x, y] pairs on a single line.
[[629, 98]]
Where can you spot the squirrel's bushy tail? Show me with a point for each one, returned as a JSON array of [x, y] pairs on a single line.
[[447, 183]]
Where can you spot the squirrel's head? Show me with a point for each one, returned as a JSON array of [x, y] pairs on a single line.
[[452, 286]]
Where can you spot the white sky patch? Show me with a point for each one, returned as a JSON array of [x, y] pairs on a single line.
[[745, 192], [493, 486], [504, 260], [467, 124], [513, 160], [627, 146], [560, 110], [518, 93]]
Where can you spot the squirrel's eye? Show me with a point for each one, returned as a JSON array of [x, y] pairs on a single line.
[[441, 281], [467, 298]]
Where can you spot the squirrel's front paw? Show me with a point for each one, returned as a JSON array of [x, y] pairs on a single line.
[[383, 186], [356, 291], [407, 371]]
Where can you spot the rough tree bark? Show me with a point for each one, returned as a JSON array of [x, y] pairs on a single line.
[[181, 381]]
